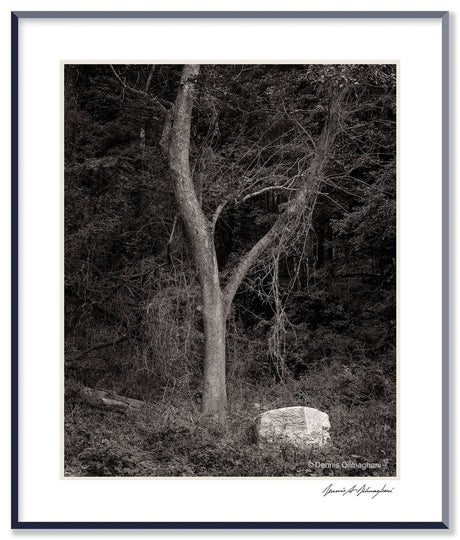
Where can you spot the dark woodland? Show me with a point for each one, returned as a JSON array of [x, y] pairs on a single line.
[[230, 248]]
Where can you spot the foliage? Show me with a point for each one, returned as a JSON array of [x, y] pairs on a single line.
[[170, 438]]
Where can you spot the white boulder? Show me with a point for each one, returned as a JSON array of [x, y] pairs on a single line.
[[301, 427]]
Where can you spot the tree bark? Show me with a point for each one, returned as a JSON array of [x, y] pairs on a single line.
[[199, 232]]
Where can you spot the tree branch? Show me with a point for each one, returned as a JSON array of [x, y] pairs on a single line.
[[310, 138], [264, 190], [149, 78], [216, 215], [305, 198], [96, 348], [222, 205], [142, 93]]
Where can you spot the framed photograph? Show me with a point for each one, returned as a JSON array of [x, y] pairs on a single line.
[[224, 311]]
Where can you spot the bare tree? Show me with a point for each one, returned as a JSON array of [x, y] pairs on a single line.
[[217, 298]]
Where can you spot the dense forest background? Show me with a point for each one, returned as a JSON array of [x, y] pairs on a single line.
[[313, 322]]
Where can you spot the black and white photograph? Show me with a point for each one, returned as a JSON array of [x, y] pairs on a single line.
[[230, 270]]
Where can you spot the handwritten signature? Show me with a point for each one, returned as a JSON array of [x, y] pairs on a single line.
[[356, 490]]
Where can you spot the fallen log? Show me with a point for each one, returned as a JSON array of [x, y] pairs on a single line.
[[109, 401]]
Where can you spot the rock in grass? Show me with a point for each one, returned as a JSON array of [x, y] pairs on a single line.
[[301, 427]]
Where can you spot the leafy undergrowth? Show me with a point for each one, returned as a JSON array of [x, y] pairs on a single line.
[[171, 439]]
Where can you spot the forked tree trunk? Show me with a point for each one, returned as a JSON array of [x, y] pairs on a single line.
[[200, 231], [200, 234]]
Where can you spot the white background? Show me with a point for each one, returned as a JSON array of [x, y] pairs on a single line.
[[42, 172], [417, 44]]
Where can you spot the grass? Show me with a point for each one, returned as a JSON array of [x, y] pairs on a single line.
[[170, 438]]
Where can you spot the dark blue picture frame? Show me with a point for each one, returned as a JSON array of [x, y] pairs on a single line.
[[444, 16]]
